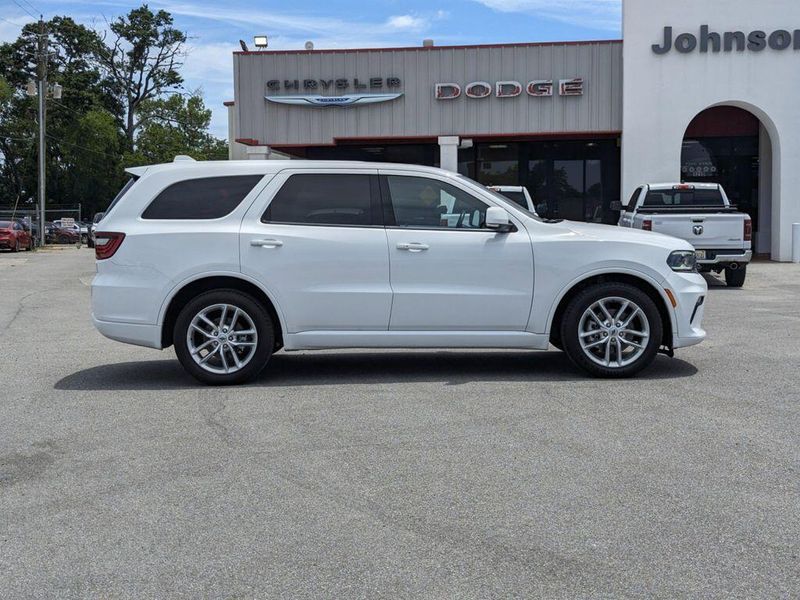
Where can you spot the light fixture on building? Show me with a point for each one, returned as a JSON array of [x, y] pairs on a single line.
[[244, 46], [260, 41], [309, 45], [427, 43]]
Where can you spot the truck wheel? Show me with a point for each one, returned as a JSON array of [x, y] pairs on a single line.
[[223, 337], [735, 277], [611, 330]]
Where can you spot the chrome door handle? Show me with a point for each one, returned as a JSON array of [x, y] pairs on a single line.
[[412, 246], [266, 243]]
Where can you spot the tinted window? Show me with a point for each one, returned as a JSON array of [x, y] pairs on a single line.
[[421, 202], [683, 198], [322, 199], [207, 198], [121, 193]]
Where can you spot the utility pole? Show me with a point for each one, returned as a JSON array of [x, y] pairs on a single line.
[[42, 81]]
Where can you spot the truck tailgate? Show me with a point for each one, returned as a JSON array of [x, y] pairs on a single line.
[[714, 231]]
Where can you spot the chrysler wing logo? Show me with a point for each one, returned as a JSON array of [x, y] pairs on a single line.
[[698, 229], [326, 101]]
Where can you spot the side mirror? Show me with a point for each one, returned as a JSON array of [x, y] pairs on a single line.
[[497, 219]]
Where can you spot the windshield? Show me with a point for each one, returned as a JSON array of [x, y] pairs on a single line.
[[501, 198]]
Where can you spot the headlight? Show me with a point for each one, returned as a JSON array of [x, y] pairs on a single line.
[[682, 261]]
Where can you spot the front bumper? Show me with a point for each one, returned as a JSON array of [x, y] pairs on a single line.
[[691, 294], [718, 257]]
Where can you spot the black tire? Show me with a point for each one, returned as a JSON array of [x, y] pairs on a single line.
[[583, 301], [263, 325], [735, 278], [62, 239]]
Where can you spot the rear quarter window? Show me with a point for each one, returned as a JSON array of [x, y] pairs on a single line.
[[205, 198]]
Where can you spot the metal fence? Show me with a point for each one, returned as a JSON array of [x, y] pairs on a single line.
[[30, 215]]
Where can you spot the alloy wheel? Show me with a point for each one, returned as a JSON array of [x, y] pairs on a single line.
[[222, 339], [614, 332]]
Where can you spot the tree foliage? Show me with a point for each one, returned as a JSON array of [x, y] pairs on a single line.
[[120, 107], [142, 61]]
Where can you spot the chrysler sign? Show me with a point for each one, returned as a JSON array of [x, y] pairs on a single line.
[[340, 85], [728, 41], [326, 101]]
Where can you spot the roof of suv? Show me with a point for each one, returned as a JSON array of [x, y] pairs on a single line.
[[222, 167]]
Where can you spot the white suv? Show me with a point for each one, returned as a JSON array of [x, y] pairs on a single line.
[[231, 261]]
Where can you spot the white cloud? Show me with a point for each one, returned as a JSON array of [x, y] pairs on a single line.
[[593, 14], [407, 22]]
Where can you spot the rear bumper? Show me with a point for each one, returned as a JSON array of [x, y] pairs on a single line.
[[717, 257], [130, 333]]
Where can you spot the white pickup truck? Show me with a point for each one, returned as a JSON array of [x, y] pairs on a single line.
[[701, 214], [516, 193]]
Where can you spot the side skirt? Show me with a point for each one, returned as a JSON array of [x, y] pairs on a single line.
[[318, 340]]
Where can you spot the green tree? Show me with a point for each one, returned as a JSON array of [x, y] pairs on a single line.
[[118, 95], [72, 64], [176, 125], [142, 62]]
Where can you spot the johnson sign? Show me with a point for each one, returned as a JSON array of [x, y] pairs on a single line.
[[538, 88], [728, 41]]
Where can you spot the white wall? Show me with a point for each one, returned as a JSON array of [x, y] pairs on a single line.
[[662, 93]]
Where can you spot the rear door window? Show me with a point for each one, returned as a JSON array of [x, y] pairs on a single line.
[[205, 198], [326, 199]]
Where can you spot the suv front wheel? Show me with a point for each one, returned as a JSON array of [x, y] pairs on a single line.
[[223, 337], [611, 330]]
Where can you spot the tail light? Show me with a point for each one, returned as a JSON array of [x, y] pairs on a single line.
[[748, 230], [106, 243], [647, 225]]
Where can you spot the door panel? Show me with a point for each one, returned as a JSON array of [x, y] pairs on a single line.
[[464, 280], [451, 274], [323, 276]]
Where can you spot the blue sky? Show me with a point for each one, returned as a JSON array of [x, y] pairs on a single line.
[[215, 27]]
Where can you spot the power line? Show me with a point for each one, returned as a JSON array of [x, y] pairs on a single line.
[[29, 3], [60, 141], [25, 9]]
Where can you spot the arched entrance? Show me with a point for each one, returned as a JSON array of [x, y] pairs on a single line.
[[730, 146]]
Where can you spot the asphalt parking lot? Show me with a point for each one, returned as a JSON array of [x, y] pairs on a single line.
[[396, 474]]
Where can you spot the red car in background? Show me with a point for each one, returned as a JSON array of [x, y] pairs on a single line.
[[14, 236]]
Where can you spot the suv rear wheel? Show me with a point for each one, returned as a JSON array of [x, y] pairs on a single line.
[[223, 337], [611, 330]]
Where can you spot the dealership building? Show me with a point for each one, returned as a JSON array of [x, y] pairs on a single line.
[[696, 92]]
